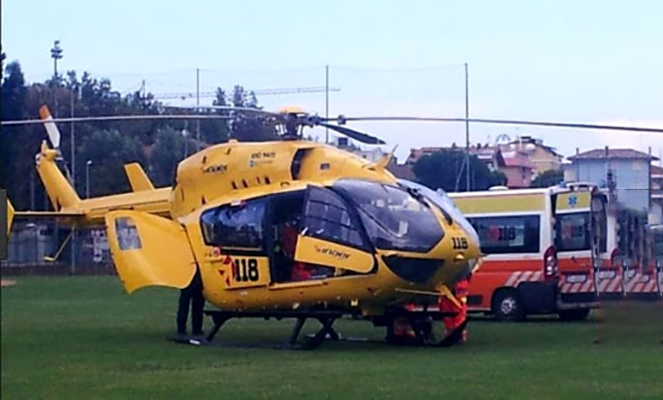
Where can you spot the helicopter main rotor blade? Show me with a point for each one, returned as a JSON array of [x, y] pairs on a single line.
[[511, 122], [114, 118], [227, 108], [351, 133]]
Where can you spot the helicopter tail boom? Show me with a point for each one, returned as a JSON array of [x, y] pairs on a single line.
[[58, 188]]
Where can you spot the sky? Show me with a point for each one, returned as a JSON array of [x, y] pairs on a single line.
[[584, 61]]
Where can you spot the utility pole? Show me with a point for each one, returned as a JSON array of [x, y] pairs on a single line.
[[56, 54], [326, 101], [467, 128], [197, 105], [73, 142]]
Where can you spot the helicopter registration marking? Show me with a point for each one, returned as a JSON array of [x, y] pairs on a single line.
[[241, 272]]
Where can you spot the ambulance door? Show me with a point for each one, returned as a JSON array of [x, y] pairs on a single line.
[[149, 250], [598, 234], [331, 235]]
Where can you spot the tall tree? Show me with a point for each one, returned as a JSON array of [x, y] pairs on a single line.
[[167, 152], [444, 170], [16, 138], [250, 128], [109, 151], [108, 144], [215, 131]]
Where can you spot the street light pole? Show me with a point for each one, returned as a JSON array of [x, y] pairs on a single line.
[[326, 102], [87, 178], [73, 143], [56, 54]]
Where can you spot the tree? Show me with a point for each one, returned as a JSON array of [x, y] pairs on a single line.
[[15, 138], [109, 150], [167, 152], [548, 178], [250, 128], [214, 131], [445, 170], [108, 144]]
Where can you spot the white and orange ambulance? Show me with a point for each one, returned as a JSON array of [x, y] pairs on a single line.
[[519, 235]]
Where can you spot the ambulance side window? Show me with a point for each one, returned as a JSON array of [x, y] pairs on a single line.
[[508, 235]]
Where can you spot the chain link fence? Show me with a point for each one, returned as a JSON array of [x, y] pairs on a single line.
[[44, 247]]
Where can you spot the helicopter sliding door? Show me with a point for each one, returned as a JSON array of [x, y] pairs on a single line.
[[237, 232], [149, 251], [331, 236]]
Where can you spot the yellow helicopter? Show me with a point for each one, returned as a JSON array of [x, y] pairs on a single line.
[[283, 229], [363, 242]]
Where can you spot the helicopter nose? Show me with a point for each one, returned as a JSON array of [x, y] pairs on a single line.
[[466, 253]]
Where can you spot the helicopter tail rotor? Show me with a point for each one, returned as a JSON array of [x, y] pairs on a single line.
[[51, 129]]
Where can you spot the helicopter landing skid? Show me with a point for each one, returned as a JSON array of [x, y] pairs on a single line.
[[326, 319]]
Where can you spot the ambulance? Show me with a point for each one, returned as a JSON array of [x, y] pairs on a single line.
[[521, 273]]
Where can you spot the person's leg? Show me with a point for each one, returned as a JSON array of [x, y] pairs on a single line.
[[182, 312], [198, 304]]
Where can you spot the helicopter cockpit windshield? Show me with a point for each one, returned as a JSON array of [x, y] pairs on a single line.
[[394, 219], [442, 200]]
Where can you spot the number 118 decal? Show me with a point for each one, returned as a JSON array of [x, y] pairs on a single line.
[[459, 243], [245, 270]]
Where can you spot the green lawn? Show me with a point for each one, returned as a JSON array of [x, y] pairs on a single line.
[[83, 337]]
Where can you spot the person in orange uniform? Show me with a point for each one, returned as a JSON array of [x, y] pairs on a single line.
[[288, 239], [460, 291]]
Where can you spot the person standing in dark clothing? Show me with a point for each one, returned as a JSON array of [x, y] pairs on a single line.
[[191, 295]]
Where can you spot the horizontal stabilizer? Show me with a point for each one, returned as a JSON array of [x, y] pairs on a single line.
[[137, 178]]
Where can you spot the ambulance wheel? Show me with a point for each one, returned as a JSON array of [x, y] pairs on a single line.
[[574, 315], [507, 306]]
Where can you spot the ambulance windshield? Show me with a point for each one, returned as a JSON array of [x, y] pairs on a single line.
[[393, 218]]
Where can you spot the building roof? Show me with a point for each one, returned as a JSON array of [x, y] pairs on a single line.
[[600, 154], [536, 142]]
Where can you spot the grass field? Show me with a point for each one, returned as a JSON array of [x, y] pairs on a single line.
[[83, 337]]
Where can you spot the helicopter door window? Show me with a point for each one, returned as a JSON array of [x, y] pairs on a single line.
[[327, 218], [236, 226]]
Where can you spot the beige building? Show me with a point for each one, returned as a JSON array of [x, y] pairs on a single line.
[[540, 156]]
